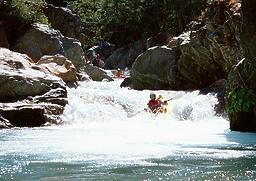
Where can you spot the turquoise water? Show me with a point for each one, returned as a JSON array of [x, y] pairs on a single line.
[[108, 136]]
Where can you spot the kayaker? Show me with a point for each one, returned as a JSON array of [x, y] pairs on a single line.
[[155, 105], [118, 73]]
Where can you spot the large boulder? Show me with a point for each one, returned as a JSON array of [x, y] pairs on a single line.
[[41, 40], [19, 79], [36, 92], [64, 20], [59, 66], [151, 70]]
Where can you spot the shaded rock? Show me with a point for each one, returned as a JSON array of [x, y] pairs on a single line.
[[54, 96], [4, 123], [29, 114], [125, 57], [199, 57], [20, 80], [160, 39], [59, 66], [64, 20], [151, 70], [25, 116], [96, 73], [41, 40], [241, 89], [3, 37], [127, 82]]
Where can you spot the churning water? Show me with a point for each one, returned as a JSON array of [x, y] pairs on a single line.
[[108, 136]]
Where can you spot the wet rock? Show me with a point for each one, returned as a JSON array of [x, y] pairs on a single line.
[[24, 116], [4, 123], [127, 83], [96, 73], [41, 40]]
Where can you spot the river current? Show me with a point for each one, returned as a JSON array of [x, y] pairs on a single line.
[[107, 135]]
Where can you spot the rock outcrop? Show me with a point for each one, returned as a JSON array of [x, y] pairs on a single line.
[[125, 56], [41, 40], [29, 97], [3, 37], [200, 57], [241, 87], [64, 20]]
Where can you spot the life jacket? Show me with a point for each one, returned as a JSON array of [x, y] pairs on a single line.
[[153, 103]]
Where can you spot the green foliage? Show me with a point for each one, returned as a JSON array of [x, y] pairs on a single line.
[[90, 13], [124, 21], [242, 100], [27, 10]]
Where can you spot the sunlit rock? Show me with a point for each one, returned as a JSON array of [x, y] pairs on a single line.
[[41, 40], [27, 94], [59, 66], [96, 73]]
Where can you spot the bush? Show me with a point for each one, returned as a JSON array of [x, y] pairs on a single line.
[[29, 11]]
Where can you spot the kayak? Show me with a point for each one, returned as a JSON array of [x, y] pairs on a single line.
[[161, 110]]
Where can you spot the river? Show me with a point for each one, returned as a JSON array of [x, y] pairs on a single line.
[[106, 135]]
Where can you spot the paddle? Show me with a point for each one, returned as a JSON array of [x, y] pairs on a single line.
[[145, 109], [173, 98]]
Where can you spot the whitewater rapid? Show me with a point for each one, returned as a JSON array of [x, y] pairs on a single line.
[[107, 135]]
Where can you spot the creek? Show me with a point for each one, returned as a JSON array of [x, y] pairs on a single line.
[[106, 135]]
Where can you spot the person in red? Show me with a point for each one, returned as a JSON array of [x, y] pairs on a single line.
[[154, 104], [118, 73]]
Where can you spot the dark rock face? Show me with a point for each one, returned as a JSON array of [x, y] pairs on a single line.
[[241, 87], [64, 20], [241, 90], [40, 40], [125, 57], [25, 116], [3, 37]]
